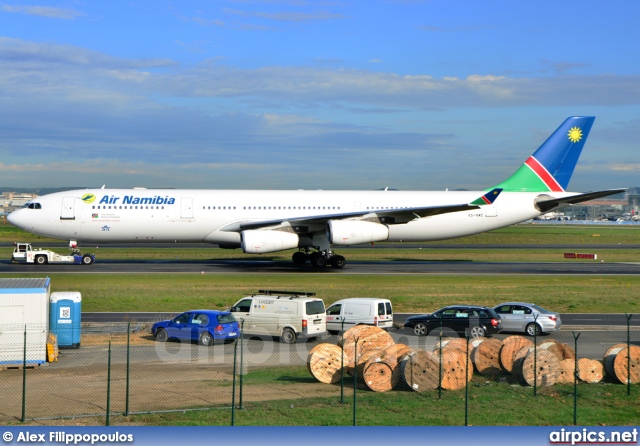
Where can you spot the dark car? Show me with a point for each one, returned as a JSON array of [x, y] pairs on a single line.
[[204, 326], [470, 320]]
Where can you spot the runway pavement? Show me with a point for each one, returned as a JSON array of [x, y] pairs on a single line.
[[356, 267]]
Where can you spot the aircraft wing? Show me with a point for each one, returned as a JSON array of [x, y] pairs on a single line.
[[385, 216], [545, 203]]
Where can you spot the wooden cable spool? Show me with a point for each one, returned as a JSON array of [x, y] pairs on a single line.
[[568, 352], [396, 352], [511, 346], [474, 343], [368, 338], [567, 371], [324, 362], [378, 374], [486, 357], [547, 368], [454, 365], [420, 371], [590, 370], [393, 356], [554, 347], [622, 365], [610, 357], [363, 360], [460, 344], [518, 361]]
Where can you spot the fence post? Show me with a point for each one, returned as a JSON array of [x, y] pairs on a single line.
[[342, 366], [629, 316], [535, 355], [24, 376], [466, 386], [233, 391], [440, 361], [108, 421], [241, 360], [126, 409], [575, 379], [355, 381]]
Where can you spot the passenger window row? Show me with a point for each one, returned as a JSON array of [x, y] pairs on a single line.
[[126, 207], [272, 208]]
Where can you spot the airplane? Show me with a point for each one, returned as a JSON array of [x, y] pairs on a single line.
[[313, 222]]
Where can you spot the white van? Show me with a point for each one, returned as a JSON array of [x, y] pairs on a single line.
[[286, 314], [346, 313]]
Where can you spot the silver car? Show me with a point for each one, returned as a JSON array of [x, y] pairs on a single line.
[[528, 318]]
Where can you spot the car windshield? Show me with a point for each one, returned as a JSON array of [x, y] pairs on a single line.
[[226, 318], [315, 307]]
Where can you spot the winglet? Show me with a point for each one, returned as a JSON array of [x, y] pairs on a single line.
[[488, 198]]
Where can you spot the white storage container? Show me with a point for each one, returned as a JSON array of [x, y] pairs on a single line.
[[24, 304]]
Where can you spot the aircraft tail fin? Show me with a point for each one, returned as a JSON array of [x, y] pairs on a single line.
[[550, 168]]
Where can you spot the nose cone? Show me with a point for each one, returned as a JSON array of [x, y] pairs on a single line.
[[16, 218]]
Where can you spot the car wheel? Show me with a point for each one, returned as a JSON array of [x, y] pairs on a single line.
[[420, 329], [533, 329], [288, 336], [87, 260], [206, 339], [333, 332], [161, 335], [476, 332], [41, 260]]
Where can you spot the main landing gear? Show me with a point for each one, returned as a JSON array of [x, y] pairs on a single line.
[[319, 259]]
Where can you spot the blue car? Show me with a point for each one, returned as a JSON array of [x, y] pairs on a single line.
[[204, 326]]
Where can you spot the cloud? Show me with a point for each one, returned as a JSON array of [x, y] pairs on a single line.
[[157, 123], [43, 11], [62, 70]]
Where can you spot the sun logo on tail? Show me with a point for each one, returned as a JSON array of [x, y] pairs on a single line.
[[575, 134]]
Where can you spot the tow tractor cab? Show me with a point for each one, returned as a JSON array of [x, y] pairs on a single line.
[[25, 253], [285, 314], [346, 313]]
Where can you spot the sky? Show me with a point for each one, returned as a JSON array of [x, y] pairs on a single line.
[[303, 94]]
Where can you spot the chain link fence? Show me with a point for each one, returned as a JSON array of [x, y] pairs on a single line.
[[365, 376]]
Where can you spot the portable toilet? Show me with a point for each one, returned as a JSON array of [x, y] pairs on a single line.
[[24, 308], [65, 317]]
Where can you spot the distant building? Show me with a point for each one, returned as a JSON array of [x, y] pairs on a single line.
[[13, 200]]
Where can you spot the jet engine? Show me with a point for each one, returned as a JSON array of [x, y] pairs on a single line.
[[352, 232], [260, 241]]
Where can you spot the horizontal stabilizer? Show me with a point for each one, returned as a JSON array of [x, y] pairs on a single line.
[[545, 203]]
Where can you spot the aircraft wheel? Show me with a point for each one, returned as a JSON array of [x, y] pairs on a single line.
[[338, 261], [317, 260], [299, 258]]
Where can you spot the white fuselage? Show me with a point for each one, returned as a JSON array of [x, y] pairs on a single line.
[[212, 216]]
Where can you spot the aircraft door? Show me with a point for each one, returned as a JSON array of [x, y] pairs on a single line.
[[490, 211], [67, 212], [186, 205]]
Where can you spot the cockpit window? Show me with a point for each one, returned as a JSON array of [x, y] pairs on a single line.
[[32, 206]]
